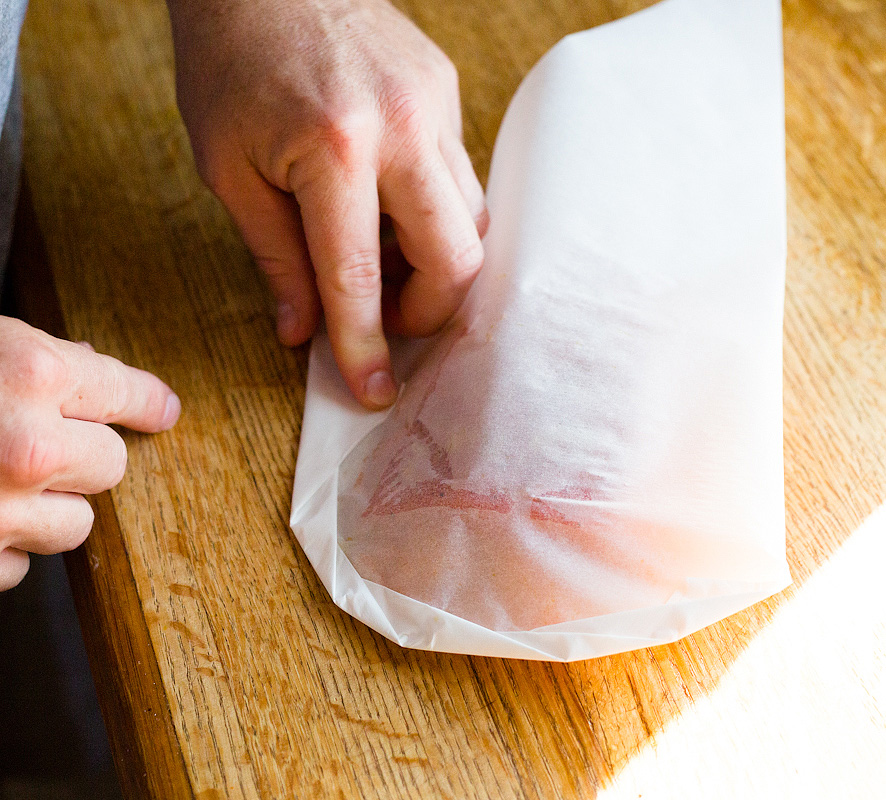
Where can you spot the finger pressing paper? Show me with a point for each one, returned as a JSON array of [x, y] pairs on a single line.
[[588, 459]]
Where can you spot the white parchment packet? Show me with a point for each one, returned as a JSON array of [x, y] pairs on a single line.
[[589, 459]]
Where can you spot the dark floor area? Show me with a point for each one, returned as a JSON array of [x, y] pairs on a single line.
[[52, 739]]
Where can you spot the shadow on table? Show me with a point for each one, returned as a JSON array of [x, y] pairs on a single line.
[[52, 739]]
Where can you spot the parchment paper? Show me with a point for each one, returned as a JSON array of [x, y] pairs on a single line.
[[589, 458]]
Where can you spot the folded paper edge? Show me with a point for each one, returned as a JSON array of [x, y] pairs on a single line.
[[368, 601]]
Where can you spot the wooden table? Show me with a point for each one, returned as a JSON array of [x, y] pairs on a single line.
[[223, 668]]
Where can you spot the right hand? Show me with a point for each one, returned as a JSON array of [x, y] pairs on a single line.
[[56, 399], [310, 119]]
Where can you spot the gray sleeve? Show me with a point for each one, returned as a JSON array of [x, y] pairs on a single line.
[[10, 167], [12, 14]]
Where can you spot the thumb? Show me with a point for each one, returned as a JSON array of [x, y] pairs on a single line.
[[270, 223]]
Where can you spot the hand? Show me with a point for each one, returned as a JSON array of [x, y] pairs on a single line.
[[55, 398], [311, 118]]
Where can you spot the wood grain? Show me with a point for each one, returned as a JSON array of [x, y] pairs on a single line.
[[223, 667], [122, 658]]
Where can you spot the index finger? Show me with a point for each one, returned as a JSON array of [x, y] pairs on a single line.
[[102, 389]]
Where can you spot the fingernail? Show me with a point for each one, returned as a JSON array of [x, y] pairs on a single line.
[[381, 389], [171, 412], [287, 322], [481, 220]]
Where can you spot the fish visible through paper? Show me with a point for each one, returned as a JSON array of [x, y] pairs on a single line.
[[525, 518], [589, 459]]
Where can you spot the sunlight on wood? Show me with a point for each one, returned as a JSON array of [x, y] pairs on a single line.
[[780, 700]]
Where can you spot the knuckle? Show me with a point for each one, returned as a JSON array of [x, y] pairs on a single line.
[[405, 113], [275, 268], [449, 72], [210, 170], [213, 166], [119, 459], [464, 260], [117, 392], [14, 565], [35, 369], [345, 134], [8, 521], [31, 457], [358, 277], [81, 529]]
